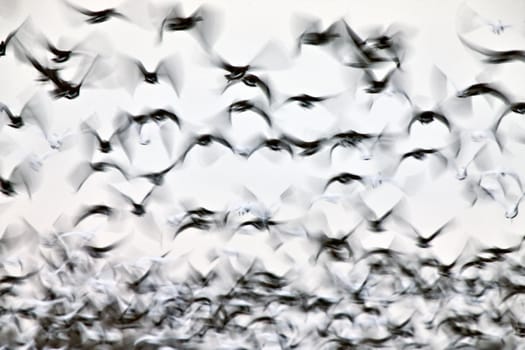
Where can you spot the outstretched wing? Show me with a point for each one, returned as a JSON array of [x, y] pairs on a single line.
[[209, 27], [24, 175], [469, 20], [170, 68], [36, 111]]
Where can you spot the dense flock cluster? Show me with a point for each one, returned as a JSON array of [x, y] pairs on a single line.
[[71, 286]]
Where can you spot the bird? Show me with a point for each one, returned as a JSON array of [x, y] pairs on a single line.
[[63, 50], [252, 80], [97, 209], [143, 219], [12, 279], [353, 139], [495, 56], [22, 175], [484, 89], [425, 242], [478, 137], [273, 144], [387, 39], [444, 269], [62, 88], [517, 107], [509, 107], [370, 51], [196, 222], [157, 116], [423, 153], [202, 22], [98, 16], [100, 252], [270, 56], [37, 111], [260, 222], [248, 105], [61, 56], [138, 208], [427, 117], [15, 235], [443, 103], [33, 111], [71, 90], [138, 120], [500, 194], [105, 145], [202, 218], [5, 43], [133, 72], [200, 212], [157, 177], [376, 86], [47, 73], [84, 170], [377, 224], [161, 114], [204, 140], [174, 21], [138, 285], [306, 101], [233, 72], [308, 147], [164, 118], [310, 33], [499, 254], [391, 84], [344, 178], [469, 20], [338, 248]]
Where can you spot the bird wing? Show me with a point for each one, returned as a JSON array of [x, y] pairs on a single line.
[[469, 20], [209, 28], [271, 56], [442, 119], [303, 23], [24, 175], [263, 114], [80, 175], [264, 86], [171, 69], [82, 10], [187, 149], [479, 49]]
